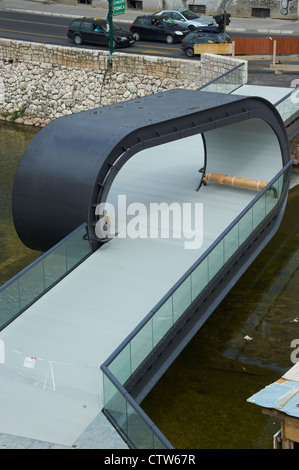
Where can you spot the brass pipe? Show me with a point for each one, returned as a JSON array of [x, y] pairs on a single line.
[[234, 181]]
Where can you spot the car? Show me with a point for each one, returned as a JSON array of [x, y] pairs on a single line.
[[96, 31], [187, 18], [200, 37], [152, 28]]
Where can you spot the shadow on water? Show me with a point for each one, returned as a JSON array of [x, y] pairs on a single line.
[[200, 402]]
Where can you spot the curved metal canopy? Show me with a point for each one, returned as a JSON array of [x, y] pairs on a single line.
[[69, 166]]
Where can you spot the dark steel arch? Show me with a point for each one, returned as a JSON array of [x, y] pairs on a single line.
[[70, 165]]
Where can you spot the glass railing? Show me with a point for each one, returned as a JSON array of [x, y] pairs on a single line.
[[32, 282], [128, 417], [125, 361], [289, 105], [227, 82]]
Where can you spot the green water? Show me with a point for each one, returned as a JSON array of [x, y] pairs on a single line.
[[200, 402], [14, 256]]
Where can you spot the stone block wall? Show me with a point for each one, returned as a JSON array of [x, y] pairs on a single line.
[[42, 82]]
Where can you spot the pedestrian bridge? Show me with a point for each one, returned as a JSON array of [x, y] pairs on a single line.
[[92, 320]]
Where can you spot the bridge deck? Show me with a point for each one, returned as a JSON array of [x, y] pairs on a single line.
[[72, 329]]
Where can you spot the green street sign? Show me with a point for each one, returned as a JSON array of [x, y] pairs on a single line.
[[119, 7]]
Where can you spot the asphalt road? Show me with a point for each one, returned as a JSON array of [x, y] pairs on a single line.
[[53, 30]]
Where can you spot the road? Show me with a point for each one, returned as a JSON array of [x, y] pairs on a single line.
[[53, 30]]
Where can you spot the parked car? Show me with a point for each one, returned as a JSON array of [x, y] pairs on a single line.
[[187, 18], [152, 28], [96, 31], [200, 37]]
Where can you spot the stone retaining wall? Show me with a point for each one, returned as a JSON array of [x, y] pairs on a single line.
[[41, 82]]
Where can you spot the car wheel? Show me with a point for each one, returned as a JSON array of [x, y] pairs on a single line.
[[136, 36], [189, 52], [169, 39], [191, 28], [77, 40]]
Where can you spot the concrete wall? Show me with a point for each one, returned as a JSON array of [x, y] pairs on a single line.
[[286, 9], [42, 82]]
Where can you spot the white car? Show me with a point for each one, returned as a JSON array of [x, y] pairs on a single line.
[[187, 18]]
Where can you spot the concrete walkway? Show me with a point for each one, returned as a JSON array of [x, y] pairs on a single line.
[[258, 25]]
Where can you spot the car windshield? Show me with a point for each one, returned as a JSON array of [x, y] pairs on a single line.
[[189, 15]]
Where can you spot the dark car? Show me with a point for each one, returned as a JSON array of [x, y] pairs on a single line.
[[200, 37], [96, 31], [153, 28]]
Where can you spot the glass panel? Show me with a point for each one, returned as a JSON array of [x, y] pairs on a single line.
[[125, 418], [216, 260], [271, 200], [162, 321], [31, 285], [182, 298], [121, 366], [139, 432], [245, 226], [199, 278], [116, 407], [157, 444], [9, 302], [142, 345], [54, 266], [258, 212], [227, 82], [289, 106], [278, 187], [77, 247], [231, 243], [109, 390]]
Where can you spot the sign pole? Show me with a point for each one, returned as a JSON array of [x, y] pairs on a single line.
[[110, 15], [224, 3]]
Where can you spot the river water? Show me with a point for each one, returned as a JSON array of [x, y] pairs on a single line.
[[200, 402]]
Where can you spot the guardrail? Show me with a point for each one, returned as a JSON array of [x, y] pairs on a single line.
[[119, 406], [35, 280]]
